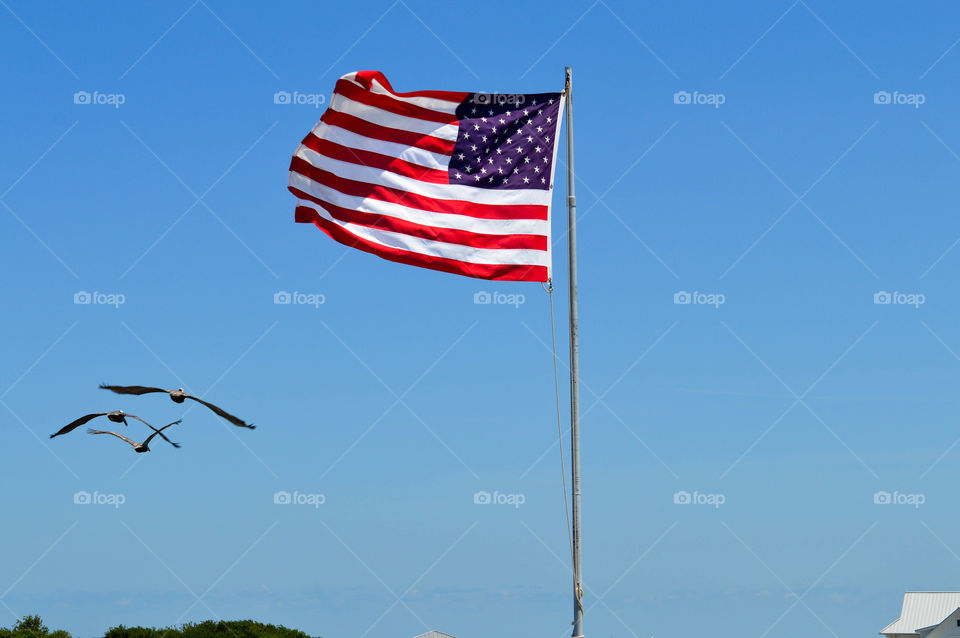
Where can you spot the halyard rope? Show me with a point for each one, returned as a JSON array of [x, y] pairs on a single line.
[[556, 385]]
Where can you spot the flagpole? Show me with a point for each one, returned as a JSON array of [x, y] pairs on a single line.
[[574, 365]]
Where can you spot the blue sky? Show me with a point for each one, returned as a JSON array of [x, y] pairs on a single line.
[[795, 402]]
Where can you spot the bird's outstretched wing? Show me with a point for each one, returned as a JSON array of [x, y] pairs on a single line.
[[70, 427], [229, 417], [119, 436], [131, 389], [163, 436], [160, 432]]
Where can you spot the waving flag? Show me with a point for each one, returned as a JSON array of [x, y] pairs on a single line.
[[453, 181]]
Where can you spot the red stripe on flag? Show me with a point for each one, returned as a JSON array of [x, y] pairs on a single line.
[[434, 233], [386, 103], [412, 200], [376, 160], [501, 272], [356, 125]]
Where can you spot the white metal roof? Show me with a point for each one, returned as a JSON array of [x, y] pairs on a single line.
[[923, 609], [434, 634], [948, 621]]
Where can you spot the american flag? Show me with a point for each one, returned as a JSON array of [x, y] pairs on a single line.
[[453, 181]]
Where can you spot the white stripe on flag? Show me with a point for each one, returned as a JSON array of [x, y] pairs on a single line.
[[385, 118], [456, 192], [432, 103], [417, 216], [418, 156], [428, 247]]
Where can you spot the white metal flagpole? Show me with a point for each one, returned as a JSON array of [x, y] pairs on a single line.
[[574, 366]]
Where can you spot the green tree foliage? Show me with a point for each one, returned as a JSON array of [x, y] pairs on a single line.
[[209, 629], [31, 627]]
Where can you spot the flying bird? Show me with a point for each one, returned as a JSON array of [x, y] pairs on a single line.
[[141, 447], [178, 396], [117, 416]]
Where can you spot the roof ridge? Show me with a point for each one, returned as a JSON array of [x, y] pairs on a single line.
[[922, 610]]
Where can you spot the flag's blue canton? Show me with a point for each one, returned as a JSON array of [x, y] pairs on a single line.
[[505, 141]]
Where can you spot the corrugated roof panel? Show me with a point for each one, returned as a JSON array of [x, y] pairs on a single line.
[[923, 609]]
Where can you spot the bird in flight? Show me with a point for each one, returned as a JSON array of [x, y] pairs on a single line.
[[145, 446], [117, 416], [178, 396]]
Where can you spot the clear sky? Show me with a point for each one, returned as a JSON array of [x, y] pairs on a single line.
[[786, 187]]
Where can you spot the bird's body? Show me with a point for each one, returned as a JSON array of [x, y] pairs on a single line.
[[144, 446], [177, 396], [117, 416]]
